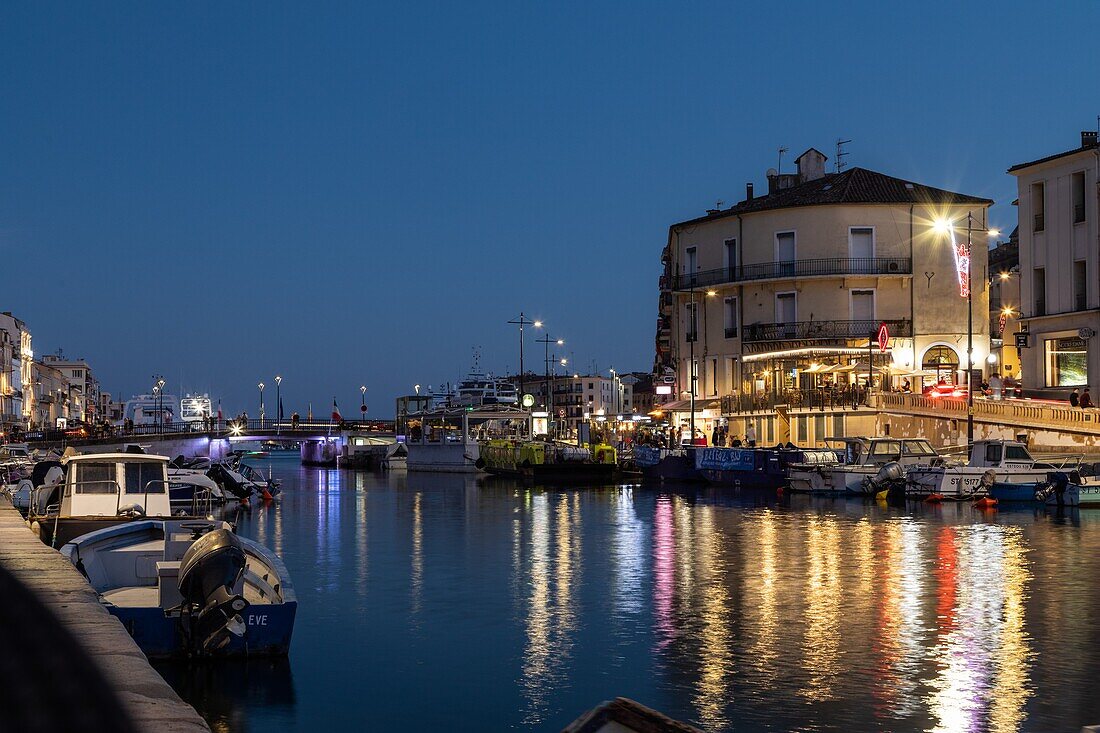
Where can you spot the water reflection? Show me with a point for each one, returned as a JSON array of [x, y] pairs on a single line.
[[723, 609]]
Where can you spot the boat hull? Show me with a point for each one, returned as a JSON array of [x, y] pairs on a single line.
[[1015, 491], [443, 457], [268, 630]]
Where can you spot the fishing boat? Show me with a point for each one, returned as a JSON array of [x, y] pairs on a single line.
[[546, 460], [667, 464], [860, 459], [102, 490], [187, 588], [758, 467], [990, 461]]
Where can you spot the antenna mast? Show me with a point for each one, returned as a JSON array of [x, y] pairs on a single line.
[[782, 150], [841, 154]]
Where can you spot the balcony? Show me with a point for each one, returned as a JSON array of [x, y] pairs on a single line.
[[795, 268], [822, 330]]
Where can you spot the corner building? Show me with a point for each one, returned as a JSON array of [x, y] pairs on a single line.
[[776, 300]]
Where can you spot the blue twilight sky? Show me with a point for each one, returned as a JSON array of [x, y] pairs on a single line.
[[360, 193]]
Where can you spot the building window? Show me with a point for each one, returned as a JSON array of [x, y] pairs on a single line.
[[862, 305], [1038, 206], [861, 248], [714, 376], [691, 264], [943, 361], [1080, 285], [730, 317], [1040, 285], [78, 373], [731, 258], [1066, 362], [692, 321], [785, 252], [1078, 185]]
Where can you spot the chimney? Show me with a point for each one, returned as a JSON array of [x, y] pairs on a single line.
[[748, 192], [1088, 138], [811, 165]]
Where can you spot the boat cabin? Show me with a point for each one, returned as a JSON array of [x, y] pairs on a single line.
[[860, 451], [1000, 454], [103, 484]]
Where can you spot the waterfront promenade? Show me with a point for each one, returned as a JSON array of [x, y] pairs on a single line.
[[151, 704]]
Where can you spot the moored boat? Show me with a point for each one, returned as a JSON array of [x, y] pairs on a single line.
[[186, 588], [990, 461], [859, 460], [757, 467], [667, 464], [546, 460]]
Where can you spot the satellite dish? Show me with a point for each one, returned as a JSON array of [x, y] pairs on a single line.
[[772, 173]]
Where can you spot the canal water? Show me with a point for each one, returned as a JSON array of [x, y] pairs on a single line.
[[436, 602]]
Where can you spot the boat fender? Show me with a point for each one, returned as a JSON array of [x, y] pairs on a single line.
[[36, 528], [479, 463], [934, 498], [779, 492], [881, 496], [131, 510], [526, 463], [986, 502]]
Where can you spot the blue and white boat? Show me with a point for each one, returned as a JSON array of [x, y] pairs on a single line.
[[189, 588]]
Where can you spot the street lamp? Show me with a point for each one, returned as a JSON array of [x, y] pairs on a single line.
[[962, 260], [546, 340], [261, 386], [278, 403], [363, 402], [521, 322]]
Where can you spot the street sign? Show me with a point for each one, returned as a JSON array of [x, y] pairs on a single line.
[[883, 337], [561, 412], [1021, 340]]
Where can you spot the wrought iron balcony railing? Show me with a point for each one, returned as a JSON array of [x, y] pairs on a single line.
[[795, 268], [811, 330]]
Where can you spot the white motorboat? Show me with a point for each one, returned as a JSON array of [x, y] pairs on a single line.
[[1004, 461], [860, 459], [189, 588], [396, 459], [101, 490]]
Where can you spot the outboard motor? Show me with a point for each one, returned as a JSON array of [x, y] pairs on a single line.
[[1055, 485], [208, 573], [890, 478], [228, 483]]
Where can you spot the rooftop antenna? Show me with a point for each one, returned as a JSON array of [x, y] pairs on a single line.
[[779, 168], [841, 154]]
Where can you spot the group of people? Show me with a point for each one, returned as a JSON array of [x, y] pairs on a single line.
[[1080, 399], [672, 437]]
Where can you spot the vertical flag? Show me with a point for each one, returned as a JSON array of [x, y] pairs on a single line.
[[335, 411]]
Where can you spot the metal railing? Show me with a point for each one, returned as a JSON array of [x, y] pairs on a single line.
[[795, 268], [1040, 223], [221, 427], [731, 333], [1041, 307], [810, 330], [1078, 213], [831, 398]]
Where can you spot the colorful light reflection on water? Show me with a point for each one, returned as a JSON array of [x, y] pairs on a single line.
[[451, 603]]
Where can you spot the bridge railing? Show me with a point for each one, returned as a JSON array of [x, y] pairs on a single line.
[[265, 426]]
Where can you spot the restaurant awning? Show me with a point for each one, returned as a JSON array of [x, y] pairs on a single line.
[[685, 405]]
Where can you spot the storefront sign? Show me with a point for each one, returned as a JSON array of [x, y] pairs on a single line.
[[883, 337]]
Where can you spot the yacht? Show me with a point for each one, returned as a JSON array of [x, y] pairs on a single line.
[[1006, 461], [187, 588], [860, 459], [481, 390], [145, 409]]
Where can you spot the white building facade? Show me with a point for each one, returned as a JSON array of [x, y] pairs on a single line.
[[16, 357], [1059, 209]]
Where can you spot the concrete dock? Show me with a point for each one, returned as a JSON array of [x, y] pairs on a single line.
[[151, 703]]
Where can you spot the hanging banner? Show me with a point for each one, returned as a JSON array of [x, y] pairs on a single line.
[[962, 265]]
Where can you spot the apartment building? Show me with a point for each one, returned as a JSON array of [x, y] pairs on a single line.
[[787, 292], [1059, 260], [84, 404], [16, 356]]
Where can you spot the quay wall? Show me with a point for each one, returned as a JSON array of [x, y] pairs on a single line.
[[151, 703], [189, 446]]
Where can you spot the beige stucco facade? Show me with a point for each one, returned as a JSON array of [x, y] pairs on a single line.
[[913, 285]]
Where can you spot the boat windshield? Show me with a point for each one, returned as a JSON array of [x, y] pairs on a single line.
[[917, 448], [144, 477], [885, 448], [95, 478], [1017, 453]]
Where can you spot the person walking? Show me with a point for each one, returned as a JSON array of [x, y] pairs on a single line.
[[997, 385], [750, 435], [1074, 398], [1086, 399]]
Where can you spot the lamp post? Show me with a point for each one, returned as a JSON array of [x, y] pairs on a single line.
[[363, 401], [521, 322], [962, 257], [278, 403], [261, 386], [546, 340]]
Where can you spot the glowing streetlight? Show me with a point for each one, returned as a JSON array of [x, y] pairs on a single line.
[[261, 386], [363, 403], [278, 402]]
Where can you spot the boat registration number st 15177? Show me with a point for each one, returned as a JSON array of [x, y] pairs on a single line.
[[257, 619], [966, 481]]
